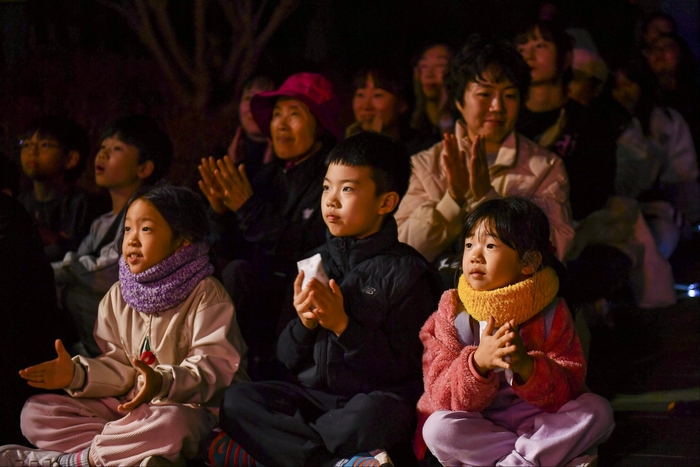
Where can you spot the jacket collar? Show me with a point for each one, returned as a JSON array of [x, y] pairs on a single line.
[[344, 253]]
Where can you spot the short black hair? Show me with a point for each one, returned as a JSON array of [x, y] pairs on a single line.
[[481, 54], [68, 134], [153, 143], [388, 160], [182, 208], [554, 32], [385, 78]]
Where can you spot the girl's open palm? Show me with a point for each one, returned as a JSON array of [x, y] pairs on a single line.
[[492, 349], [54, 374], [153, 382]]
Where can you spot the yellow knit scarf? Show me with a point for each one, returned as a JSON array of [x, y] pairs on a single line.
[[519, 301]]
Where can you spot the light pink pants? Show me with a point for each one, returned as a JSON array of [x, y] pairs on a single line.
[[520, 435], [62, 423]]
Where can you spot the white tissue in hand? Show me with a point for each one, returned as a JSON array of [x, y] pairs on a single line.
[[313, 268]]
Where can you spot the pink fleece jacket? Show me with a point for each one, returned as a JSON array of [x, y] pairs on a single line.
[[452, 383]]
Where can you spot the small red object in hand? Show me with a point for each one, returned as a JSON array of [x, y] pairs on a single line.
[[148, 357]]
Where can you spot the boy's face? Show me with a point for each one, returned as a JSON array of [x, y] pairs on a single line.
[[117, 164], [541, 56], [490, 108], [430, 71], [148, 239], [42, 158], [371, 102], [350, 205]]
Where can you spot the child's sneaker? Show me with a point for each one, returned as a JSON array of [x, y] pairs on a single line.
[[364, 459], [16, 455], [383, 458], [158, 461]]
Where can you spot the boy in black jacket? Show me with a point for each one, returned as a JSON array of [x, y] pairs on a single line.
[[353, 349]]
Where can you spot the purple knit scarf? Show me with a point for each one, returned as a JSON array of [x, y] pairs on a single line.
[[169, 282]]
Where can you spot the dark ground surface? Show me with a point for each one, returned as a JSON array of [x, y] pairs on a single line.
[[649, 359]]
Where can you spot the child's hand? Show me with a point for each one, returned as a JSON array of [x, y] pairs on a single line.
[[493, 348], [210, 187], [153, 382], [521, 362], [330, 310], [302, 303], [54, 374]]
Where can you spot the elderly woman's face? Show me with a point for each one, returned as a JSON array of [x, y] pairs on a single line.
[[293, 128]]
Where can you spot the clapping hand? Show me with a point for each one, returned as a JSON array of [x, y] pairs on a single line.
[[54, 374], [152, 385]]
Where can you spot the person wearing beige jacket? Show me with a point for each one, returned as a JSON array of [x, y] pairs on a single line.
[[484, 159]]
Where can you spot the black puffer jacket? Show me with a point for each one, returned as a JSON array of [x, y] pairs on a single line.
[[389, 291]]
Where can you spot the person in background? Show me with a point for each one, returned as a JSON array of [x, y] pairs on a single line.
[[379, 105], [134, 151], [53, 154], [277, 212], [433, 111], [485, 158]]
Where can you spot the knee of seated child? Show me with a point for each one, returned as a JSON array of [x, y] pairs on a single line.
[[436, 428]]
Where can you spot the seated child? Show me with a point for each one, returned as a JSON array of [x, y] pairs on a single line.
[[505, 315], [53, 154], [170, 345], [353, 349], [134, 152]]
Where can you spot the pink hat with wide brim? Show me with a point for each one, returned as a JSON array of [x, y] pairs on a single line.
[[312, 89]]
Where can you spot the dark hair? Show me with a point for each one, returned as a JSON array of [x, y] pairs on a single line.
[[152, 142], [383, 77], [387, 159], [182, 209], [554, 32], [517, 222], [636, 68], [418, 56], [261, 81], [653, 16], [480, 55], [68, 134]]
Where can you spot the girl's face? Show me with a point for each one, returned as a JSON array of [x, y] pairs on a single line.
[[293, 128], [541, 56], [431, 69], [490, 264], [371, 102], [148, 239], [490, 108]]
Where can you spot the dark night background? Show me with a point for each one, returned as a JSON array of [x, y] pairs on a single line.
[[81, 58]]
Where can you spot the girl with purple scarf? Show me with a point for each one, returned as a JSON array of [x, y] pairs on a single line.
[[170, 346]]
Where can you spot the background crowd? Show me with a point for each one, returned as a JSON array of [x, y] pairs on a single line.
[[604, 140]]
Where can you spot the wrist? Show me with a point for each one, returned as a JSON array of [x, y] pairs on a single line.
[[457, 199], [341, 327]]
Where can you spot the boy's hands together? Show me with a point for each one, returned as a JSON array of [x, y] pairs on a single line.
[[152, 385], [317, 305], [54, 374]]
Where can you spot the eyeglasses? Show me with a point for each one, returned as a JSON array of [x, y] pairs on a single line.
[[43, 145]]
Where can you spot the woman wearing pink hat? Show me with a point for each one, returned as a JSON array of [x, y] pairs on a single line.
[[276, 214]]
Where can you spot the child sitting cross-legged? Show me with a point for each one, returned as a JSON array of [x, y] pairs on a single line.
[[505, 315], [353, 347], [170, 346]]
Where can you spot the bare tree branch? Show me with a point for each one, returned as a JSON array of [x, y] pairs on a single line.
[[256, 20], [283, 10], [160, 11]]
